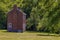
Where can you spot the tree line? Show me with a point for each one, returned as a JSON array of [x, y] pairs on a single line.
[[42, 15]]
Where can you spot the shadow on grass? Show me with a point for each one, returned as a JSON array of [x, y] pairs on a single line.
[[55, 35], [5, 31]]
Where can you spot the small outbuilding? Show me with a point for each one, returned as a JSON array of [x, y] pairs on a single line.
[[16, 20]]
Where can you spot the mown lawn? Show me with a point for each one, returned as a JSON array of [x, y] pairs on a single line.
[[27, 36]]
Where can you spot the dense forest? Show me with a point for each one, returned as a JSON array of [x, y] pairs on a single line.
[[42, 15]]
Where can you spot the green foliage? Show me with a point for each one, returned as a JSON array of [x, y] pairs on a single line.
[[2, 20], [45, 16], [42, 15]]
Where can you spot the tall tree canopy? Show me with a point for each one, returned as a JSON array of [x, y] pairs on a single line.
[[42, 15]]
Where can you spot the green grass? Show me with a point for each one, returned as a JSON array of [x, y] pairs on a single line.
[[27, 36]]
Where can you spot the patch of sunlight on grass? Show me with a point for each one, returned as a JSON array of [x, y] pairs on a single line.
[[4, 35]]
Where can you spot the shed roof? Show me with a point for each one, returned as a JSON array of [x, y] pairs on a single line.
[[15, 8]]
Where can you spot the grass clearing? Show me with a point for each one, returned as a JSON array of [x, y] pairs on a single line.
[[27, 36]]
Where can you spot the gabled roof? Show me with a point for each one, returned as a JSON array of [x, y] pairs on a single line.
[[15, 8], [20, 11]]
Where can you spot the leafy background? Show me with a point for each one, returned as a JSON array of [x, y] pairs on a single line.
[[42, 15]]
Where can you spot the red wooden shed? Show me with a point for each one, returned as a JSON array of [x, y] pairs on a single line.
[[16, 20]]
